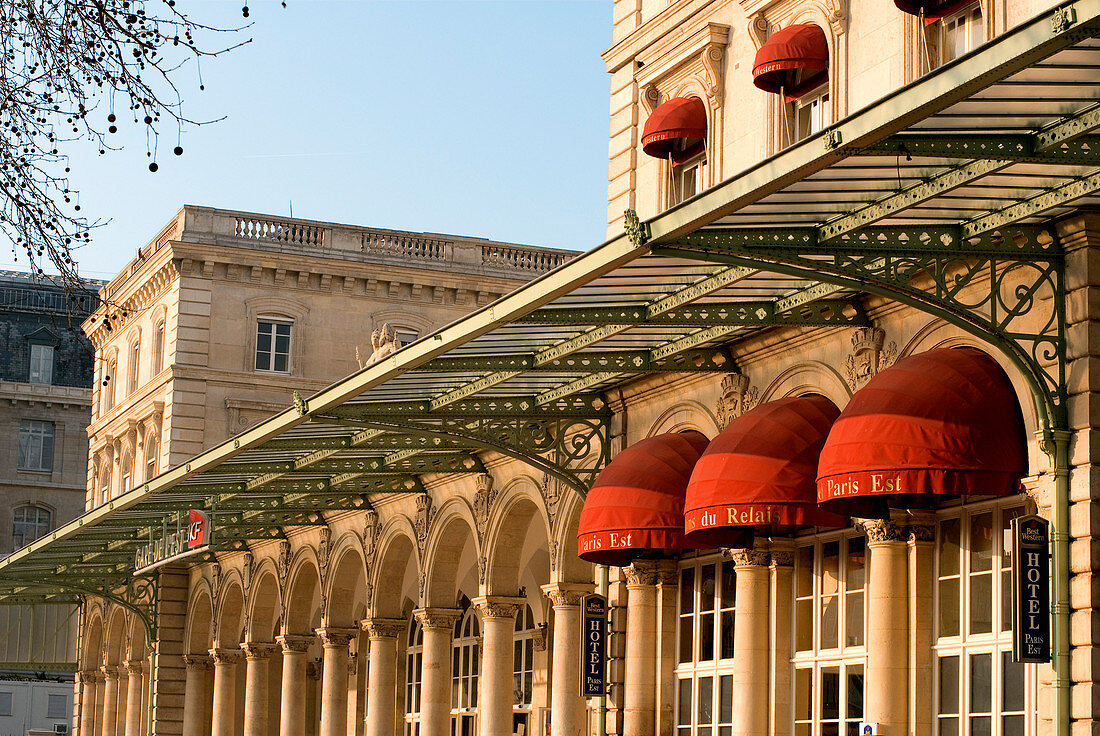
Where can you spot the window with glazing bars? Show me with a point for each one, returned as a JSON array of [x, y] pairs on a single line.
[[704, 663], [273, 346]]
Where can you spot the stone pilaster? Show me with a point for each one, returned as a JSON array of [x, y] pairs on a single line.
[[886, 698], [195, 704], [334, 679], [921, 542], [750, 641], [256, 683], [780, 636], [382, 685], [110, 700], [639, 706], [292, 700], [88, 702], [135, 684], [222, 718], [494, 693], [435, 681], [565, 671], [668, 619], [170, 677]]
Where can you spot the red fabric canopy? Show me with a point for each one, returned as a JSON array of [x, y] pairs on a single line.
[[759, 473], [933, 10], [636, 504], [794, 60], [944, 422], [678, 126]]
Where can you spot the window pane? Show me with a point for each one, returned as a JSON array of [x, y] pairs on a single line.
[[725, 699], [830, 622], [684, 710], [802, 694], [705, 704], [830, 568], [706, 637], [981, 542], [726, 634], [949, 685], [804, 626], [804, 572], [830, 693], [687, 638], [1012, 683], [981, 603], [949, 607], [281, 365], [854, 623], [706, 588], [1012, 726], [856, 563], [729, 585], [855, 692], [981, 684], [949, 727], [687, 590], [949, 547], [980, 725]]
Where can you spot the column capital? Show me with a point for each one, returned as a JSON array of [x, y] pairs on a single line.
[[922, 527], [782, 552], [258, 649], [563, 595], [384, 628], [196, 662], [109, 671], [88, 675], [882, 531], [135, 666], [335, 636], [224, 656], [759, 555], [437, 618], [641, 573], [498, 606], [294, 643]]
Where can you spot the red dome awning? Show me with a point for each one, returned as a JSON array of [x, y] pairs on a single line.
[[636, 504], [794, 61], [677, 128], [941, 423], [932, 10], [760, 473]]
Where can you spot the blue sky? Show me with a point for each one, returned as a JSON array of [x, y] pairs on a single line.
[[474, 117]]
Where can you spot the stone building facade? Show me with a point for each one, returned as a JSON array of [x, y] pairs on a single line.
[[416, 572]]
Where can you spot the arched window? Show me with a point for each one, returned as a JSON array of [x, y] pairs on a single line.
[[29, 523], [127, 471], [523, 665], [150, 456], [158, 349], [414, 657], [464, 669], [104, 485], [108, 387], [134, 367]]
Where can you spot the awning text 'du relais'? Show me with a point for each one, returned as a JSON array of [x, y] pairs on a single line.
[[759, 474], [943, 422], [636, 505]]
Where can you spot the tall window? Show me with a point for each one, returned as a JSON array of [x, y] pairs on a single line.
[[687, 171], [28, 524], [127, 473], [135, 367], [704, 669], [41, 368], [464, 669], [955, 35], [108, 388], [414, 658], [36, 446], [405, 335], [273, 345], [158, 349], [829, 658], [810, 114], [150, 456], [980, 690], [523, 666]]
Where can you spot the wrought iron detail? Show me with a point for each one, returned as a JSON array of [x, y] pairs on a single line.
[[636, 230]]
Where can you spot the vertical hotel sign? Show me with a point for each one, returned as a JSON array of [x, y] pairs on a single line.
[[1030, 589], [594, 661]]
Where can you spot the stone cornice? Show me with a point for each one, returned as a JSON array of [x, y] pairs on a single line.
[[34, 393], [678, 14], [130, 297]]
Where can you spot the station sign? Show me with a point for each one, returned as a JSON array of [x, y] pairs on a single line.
[[594, 659], [187, 534], [1030, 589]]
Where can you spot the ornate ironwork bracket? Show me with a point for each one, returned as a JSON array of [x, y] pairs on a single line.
[[1006, 286], [136, 594]]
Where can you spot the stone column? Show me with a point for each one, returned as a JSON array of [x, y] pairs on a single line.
[[435, 678], [223, 715], [292, 706], [100, 699], [334, 680], [194, 694], [257, 658], [88, 702], [136, 684], [640, 696], [123, 690], [566, 702], [494, 692], [384, 633], [750, 642], [110, 700], [780, 634], [886, 697], [668, 600], [922, 538]]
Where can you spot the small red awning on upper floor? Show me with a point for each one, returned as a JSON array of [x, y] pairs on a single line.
[[677, 128], [794, 61], [941, 423], [759, 474], [931, 10], [636, 505]]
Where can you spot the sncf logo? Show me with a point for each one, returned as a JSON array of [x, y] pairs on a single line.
[[197, 526]]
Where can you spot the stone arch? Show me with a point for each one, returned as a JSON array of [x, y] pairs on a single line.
[[115, 643], [684, 415], [517, 540], [811, 377], [452, 555], [939, 334], [396, 552], [568, 567], [92, 644], [346, 583], [302, 598], [230, 614], [200, 621], [137, 646], [264, 605]]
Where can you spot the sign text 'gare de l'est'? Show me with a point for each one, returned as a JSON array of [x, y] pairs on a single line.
[[191, 535]]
